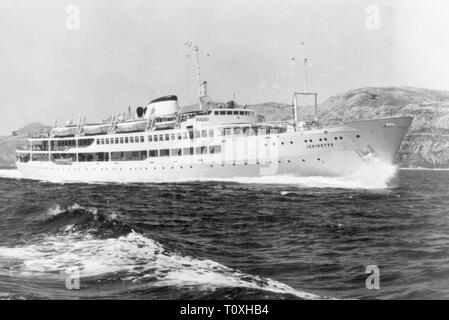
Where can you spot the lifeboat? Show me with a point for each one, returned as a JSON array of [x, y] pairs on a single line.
[[61, 132], [94, 129], [131, 126]]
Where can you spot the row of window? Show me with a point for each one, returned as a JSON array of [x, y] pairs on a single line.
[[184, 151], [60, 145], [121, 140], [123, 156], [190, 135], [234, 112]]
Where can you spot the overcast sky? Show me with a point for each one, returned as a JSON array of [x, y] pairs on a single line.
[[128, 52]]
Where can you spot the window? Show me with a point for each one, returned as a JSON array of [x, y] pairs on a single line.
[[164, 152], [86, 157], [150, 138], [196, 134], [107, 141], [131, 140], [216, 113], [161, 137], [236, 113], [185, 135], [237, 130], [176, 152], [112, 140], [172, 136], [98, 141], [242, 113], [102, 141], [116, 140], [167, 137], [179, 135], [142, 139], [214, 149], [153, 153], [121, 139], [229, 112], [129, 156], [201, 150], [187, 151], [222, 113], [155, 138], [126, 140], [204, 134], [211, 133]]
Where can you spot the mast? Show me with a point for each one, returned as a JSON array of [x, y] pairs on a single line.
[[305, 93], [198, 74], [305, 60], [202, 86], [305, 75]]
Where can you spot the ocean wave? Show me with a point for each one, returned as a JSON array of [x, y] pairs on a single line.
[[76, 218], [134, 258]]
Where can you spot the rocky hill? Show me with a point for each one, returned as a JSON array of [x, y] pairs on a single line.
[[426, 144], [8, 143]]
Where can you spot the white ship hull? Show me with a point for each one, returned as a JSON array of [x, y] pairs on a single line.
[[341, 151]]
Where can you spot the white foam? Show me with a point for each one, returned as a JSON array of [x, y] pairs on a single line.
[[370, 176], [139, 257], [10, 174], [426, 169]]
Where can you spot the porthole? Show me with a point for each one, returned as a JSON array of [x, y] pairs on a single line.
[[341, 138], [335, 138], [291, 142], [310, 140], [303, 160], [282, 143], [321, 139], [318, 159], [358, 136], [305, 141]]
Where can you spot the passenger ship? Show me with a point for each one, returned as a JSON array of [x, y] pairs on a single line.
[[161, 143]]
